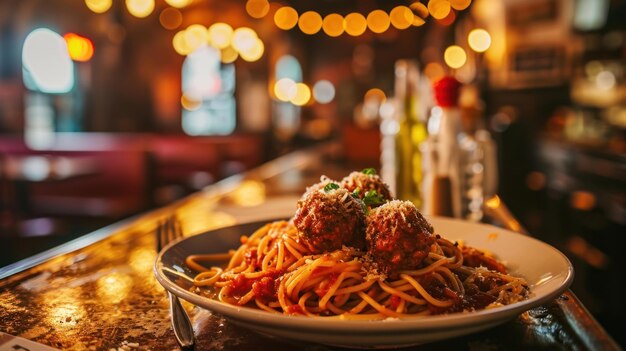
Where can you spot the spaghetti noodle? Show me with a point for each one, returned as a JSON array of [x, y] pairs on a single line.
[[275, 270]]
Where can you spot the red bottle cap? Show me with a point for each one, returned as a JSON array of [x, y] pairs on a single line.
[[447, 91]]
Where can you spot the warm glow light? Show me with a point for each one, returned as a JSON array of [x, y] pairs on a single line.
[[178, 3], [460, 4], [401, 17], [180, 44], [434, 71], [254, 52], [114, 287], [47, 66], [244, 39], [195, 36], [355, 24], [378, 21], [333, 25], [310, 22], [257, 8], [420, 13], [79, 48], [479, 40], [170, 18], [375, 94], [248, 193], [303, 95], [449, 19], [99, 6], [324, 91], [220, 35], [455, 56], [140, 8], [286, 18], [190, 103], [229, 55], [285, 89], [439, 9]]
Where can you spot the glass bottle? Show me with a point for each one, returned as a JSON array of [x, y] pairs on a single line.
[[443, 152], [404, 135]]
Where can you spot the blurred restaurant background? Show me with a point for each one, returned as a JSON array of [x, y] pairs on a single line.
[[109, 108]]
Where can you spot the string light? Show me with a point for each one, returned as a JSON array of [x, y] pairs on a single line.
[[333, 25], [140, 8], [378, 21], [310, 22], [355, 24], [99, 6]]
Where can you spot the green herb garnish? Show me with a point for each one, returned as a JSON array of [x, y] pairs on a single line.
[[369, 171], [330, 187], [356, 193], [373, 198]]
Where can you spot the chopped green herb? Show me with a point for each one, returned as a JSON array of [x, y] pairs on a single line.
[[356, 192], [373, 198], [331, 186], [369, 171]]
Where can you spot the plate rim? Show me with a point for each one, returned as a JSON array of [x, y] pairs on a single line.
[[337, 326]]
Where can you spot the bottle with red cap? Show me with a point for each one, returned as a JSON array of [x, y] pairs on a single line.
[[456, 161], [443, 152]]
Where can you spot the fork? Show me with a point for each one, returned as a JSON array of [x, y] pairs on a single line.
[[167, 231]]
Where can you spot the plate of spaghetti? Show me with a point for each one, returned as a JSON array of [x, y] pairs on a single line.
[[355, 267]]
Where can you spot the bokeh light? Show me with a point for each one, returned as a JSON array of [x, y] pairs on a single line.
[[401, 17], [479, 40], [180, 44], [257, 8], [195, 36], [310, 22], [355, 24], [375, 94], [140, 8], [79, 48], [99, 6], [228, 54], [244, 39], [455, 56], [220, 35], [285, 89], [439, 9], [434, 71], [449, 19], [286, 18], [178, 3], [47, 64], [323, 91], [333, 25], [190, 103], [254, 52], [170, 18], [303, 95], [460, 4], [378, 21]]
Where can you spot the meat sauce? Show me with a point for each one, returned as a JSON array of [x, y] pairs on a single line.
[[263, 287]]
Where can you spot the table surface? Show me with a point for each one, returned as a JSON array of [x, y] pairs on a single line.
[[99, 292]]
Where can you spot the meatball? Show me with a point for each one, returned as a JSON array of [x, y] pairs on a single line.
[[398, 237], [327, 219], [366, 182], [319, 186]]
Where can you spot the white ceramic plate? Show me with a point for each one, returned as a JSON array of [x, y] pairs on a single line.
[[547, 271]]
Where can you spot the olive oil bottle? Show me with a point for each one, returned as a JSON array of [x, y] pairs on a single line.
[[411, 133]]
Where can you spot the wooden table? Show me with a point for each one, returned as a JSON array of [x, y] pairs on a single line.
[[99, 293]]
